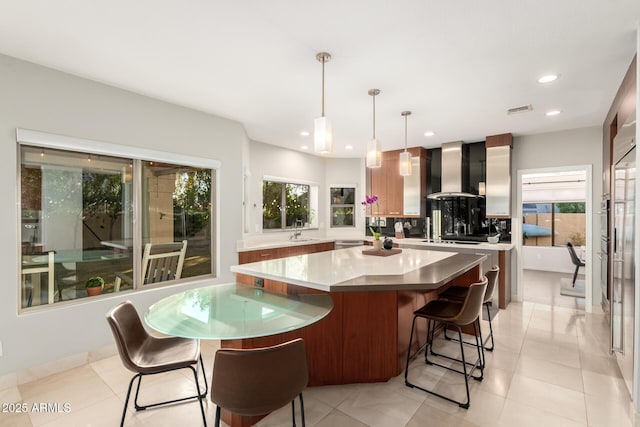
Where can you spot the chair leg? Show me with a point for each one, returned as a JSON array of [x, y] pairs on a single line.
[[477, 333], [198, 396], [406, 367], [126, 400], [464, 370], [293, 412], [431, 326], [217, 422], [135, 400], [302, 410], [575, 275], [204, 376], [490, 330]]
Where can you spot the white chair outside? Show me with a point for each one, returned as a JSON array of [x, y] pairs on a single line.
[[46, 266], [160, 263]]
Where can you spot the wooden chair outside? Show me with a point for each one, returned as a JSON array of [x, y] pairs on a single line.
[[160, 263]]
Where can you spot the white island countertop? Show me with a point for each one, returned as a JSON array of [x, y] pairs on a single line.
[[415, 243], [350, 270], [420, 243]]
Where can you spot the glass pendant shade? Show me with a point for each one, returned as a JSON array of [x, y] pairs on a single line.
[[374, 154], [405, 163], [322, 136]]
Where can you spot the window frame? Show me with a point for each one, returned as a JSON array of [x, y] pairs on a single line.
[[553, 219], [343, 205], [31, 138], [313, 203]]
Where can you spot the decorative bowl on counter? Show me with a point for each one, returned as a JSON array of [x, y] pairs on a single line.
[[493, 239]]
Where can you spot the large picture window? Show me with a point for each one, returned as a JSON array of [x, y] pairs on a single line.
[[78, 219]]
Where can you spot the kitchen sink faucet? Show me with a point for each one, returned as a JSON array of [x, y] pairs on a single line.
[[297, 232]]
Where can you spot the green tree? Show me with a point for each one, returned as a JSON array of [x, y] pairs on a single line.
[[192, 200], [573, 207], [102, 195], [271, 204]]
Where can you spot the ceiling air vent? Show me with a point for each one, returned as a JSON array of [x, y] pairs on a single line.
[[522, 109]]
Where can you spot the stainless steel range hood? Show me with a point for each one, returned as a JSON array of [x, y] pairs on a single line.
[[451, 172]]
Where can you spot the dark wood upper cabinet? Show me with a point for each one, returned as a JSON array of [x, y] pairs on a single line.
[[396, 196], [622, 106]]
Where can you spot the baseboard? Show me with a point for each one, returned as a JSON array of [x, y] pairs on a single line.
[[38, 372]]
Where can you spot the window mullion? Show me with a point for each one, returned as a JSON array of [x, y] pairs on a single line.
[[137, 224], [283, 207], [553, 224]]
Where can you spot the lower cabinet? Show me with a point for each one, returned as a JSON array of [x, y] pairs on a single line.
[[283, 252]]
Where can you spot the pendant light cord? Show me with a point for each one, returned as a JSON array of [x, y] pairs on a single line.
[[374, 117], [405, 133], [323, 61]]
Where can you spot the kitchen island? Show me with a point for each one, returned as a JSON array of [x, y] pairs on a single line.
[[365, 337], [499, 254]]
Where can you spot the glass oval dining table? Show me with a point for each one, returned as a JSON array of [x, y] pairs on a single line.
[[234, 311]]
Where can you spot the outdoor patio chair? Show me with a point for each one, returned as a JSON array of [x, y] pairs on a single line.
[[160, 263]]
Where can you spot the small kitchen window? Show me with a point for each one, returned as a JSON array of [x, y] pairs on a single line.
[[288, 205], [343, 206]]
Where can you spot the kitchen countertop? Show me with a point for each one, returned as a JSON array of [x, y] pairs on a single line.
[[350, 270], [244, 246], [419, 243]]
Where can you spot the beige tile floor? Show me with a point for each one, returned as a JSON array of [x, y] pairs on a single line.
[[550, 368]]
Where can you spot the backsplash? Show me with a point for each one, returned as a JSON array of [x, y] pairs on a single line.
[[412, 227], [416, 228]]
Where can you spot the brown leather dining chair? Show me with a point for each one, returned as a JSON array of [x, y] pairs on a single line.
[[145, 354], [258, 381], [455, 315]]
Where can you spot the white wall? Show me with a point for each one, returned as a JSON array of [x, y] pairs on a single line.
[[554, 259], [561, 149], [273, 161], [346, 172], [38, 98], [636, 329]]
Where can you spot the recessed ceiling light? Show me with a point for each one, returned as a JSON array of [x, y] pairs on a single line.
[[548, 78], [304, 147], [429, 133], [304, 133], [552, 113], [348, 147]]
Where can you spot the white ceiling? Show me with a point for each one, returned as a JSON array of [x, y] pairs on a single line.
[[458, 64]]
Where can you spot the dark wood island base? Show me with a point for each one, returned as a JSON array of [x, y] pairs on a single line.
[[363, 339]]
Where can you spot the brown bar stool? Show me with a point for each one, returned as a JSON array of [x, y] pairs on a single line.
[[459, 293], [455, 315], [260, 380], [146, 354]]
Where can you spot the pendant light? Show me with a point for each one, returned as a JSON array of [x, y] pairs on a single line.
[[374, 153], [323, 132], [405, 157]]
